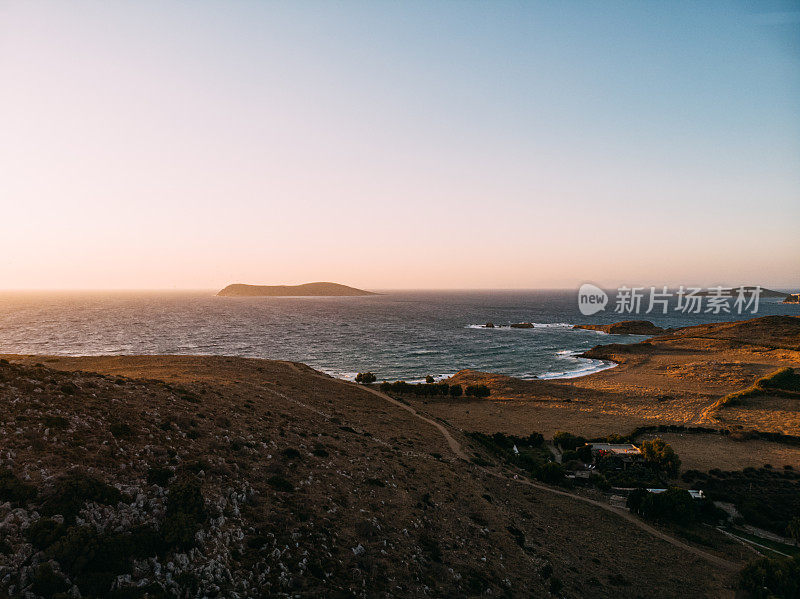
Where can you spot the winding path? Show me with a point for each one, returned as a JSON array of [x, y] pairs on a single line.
[[458, 450]]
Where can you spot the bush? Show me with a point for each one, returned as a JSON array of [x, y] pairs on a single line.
[[765, 498], [68, 388], [455, 391], [478, 391], [158, 475], [94, 560], [44, 532], [421, 389], [72, 491], [14, 490], [551, 473], [186, 513], [767, 578], [57, 422], [365, 378], [568, 441], [279, 483], [120, 430], [46, 582]]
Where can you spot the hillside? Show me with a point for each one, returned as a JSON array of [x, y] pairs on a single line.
[[214, 476], [307, 289]]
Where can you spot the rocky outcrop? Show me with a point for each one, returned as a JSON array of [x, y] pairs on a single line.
[[625, 327], [793, 298], [522, 325]]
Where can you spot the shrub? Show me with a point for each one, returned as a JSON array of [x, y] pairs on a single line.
[[44, 532], [120, 430], [158, 475], [72, 491], [766, 578], [68, 388], [365, 378], [279, 483], [46, 582], [57, 422], [14, 490], [478, 391], [568, 441], [94, 560], [418, 389], [550, 472], [767, 499], [185, 515], [455, 391]]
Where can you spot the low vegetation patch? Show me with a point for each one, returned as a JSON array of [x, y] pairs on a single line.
[[784, 382], [767, 578], [71, 492], [14, 490], [530, 453], [673, 506], [433, 389], [765, 497]]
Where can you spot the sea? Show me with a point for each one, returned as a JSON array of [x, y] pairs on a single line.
[[398, 335]]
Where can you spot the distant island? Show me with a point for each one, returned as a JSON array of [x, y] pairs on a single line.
[[793, 298], [307, 289], [748, 290]]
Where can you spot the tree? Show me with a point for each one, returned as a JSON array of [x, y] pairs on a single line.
[[672, 505], [568, 441], [634, 502], [366, 378], [660, 455], [793, 530]]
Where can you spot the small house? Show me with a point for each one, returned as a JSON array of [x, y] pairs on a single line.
[[625, 453]]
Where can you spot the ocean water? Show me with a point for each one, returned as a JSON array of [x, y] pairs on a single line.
[[397, 335]]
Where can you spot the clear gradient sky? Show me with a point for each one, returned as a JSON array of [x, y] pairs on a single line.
[[399, 144]]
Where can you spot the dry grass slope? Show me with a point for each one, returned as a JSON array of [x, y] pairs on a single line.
[[288, 483]]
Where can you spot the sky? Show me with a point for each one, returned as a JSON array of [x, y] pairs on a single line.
[[386, 145]]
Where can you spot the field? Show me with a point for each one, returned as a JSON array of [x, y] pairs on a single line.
[[704, 452]]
